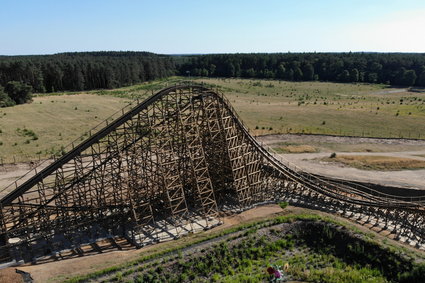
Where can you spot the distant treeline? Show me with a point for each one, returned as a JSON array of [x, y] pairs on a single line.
[[404, 69], [84, 70], [98, 70]]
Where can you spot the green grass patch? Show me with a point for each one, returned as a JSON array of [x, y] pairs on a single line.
[[283, 204], [44, 127]]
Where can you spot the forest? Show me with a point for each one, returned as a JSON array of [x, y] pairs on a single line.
[[20, 75], [82, 70], [399, 69]]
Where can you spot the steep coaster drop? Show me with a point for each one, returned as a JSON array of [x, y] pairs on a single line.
[[167, 167]]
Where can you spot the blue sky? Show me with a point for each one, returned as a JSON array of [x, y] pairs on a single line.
[[189, 26]]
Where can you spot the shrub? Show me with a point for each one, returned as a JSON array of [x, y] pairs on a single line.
[[5, 100], [19, 92], [417, 275], [283, 204]]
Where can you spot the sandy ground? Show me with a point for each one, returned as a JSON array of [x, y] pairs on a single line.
[[403, 178], [10, 173], [306, 161], [307, 139], [10, 276]]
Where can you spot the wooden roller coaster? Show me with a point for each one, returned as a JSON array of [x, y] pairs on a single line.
[[175, 160]]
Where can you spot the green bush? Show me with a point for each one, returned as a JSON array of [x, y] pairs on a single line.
[[18, 92], [283, 204], [5, 100], [417, 275]]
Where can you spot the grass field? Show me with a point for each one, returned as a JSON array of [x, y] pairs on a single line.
[[51, 121], [325, 108], [382, 163]]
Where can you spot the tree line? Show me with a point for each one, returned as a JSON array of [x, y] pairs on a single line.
[[403, 69], [84, 70], [19, 75]]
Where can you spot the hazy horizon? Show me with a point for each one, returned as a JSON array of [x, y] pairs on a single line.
[[200, 53]]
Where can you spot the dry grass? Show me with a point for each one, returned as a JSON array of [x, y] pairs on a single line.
[[382, 163], [295, 149], [271, 106], [365, 147], [55, 120], [267, 107]]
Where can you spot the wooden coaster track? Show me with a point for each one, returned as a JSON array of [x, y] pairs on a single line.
[[179, 157]]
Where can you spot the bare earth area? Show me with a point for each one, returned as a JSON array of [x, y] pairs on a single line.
[[9, 173], [414, 149]]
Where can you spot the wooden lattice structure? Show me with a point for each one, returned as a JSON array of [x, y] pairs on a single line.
[[180, 157]]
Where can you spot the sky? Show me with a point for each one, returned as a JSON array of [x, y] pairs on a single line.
[[214, 26]]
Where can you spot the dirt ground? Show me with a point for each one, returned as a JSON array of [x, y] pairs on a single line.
[[9, 275], [414, 149], [9, 173]]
